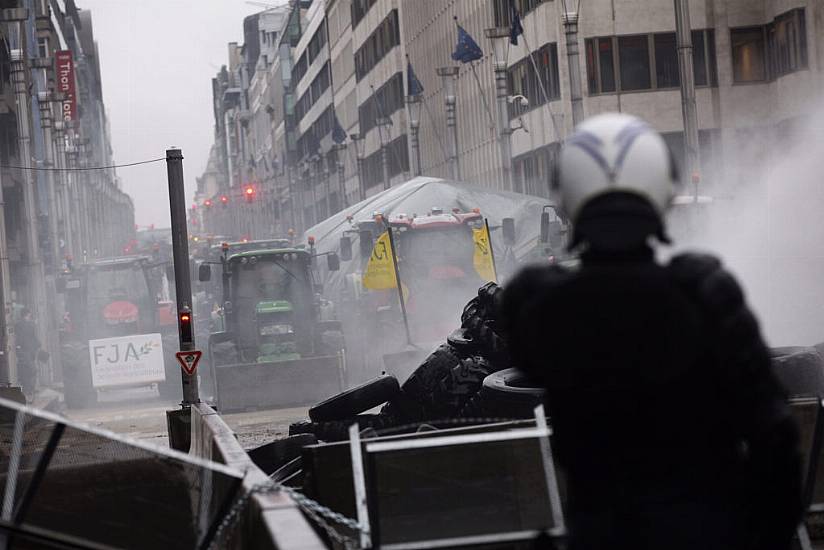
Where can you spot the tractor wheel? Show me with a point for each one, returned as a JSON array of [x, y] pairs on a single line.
[[505, 394]]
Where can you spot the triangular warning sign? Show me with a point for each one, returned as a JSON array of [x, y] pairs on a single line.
[[188, 360]]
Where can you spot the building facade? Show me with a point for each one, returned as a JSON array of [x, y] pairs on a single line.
[[340, 75], [57, 207]]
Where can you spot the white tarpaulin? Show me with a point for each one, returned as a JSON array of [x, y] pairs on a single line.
[[127, 360]]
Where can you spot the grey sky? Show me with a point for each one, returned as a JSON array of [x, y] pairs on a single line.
[[157, 61]]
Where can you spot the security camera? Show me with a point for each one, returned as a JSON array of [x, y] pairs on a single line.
[[522, 101]]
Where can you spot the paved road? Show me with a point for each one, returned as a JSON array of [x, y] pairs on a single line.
[[141, 414]]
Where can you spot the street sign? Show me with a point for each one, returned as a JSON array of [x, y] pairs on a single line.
[[188, 360]]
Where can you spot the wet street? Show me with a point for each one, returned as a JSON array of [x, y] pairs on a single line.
[[141, 414]]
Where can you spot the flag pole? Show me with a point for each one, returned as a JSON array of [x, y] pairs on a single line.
[[491, 250], [400, 285]]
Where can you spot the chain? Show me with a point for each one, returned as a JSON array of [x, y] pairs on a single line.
[[233, 515], [316, 511], [319, 513]]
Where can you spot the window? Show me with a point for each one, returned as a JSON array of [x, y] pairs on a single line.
[[501, 14], [313, 93], [634, 61], [359, 9], [398, 156], [600, 65], [748, 59], [379, 43], [633, 54], [770, 51], [787, 43], [522, 78], [43, 50], [666, 61], [385, 101]]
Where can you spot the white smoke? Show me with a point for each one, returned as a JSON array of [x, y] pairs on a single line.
[[769, 229]]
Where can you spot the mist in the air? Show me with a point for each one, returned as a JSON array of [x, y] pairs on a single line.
[[767, 223]]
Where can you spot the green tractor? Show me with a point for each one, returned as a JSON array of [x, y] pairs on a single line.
[[276, 343]]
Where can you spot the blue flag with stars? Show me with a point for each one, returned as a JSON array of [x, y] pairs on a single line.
[[467, 50], [412, 82], [515, 28], [338, 133]]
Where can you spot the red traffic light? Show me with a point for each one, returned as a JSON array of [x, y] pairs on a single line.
[[249, 192], [224, 200], [185, 325], [207, 203]]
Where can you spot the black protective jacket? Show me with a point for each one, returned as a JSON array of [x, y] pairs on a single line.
[[670, 428]]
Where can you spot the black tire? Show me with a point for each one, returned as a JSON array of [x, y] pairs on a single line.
[[463, 343], [415, 401], [506, 394], [458, 387], [272, 456], [356, 400], [338, 430]]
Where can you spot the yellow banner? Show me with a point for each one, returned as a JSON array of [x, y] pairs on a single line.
[[482, 260], [380, 270]]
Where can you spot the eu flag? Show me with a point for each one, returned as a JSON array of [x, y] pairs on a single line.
[[414, 85], [467, 50], [515, 27], [338, 133]]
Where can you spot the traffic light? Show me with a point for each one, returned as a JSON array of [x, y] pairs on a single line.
[[224, 200], [185, 325], [249, 193], [207, 203]]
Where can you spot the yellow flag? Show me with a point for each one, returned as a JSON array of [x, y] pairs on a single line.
[[482, 260], [380, 270]]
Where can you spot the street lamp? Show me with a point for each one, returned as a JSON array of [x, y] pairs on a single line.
[[384, 123], [360, 145], [448, 75], [313, 177], [500, 41], [340, 155], [570, 20], [414, 103]]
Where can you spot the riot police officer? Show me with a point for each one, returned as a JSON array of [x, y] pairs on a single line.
[[670, 428]]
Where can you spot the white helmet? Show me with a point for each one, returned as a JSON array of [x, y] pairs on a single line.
[[615, 154]]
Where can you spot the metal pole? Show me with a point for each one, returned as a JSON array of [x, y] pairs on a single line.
[[8, 353], [36, 280], [60, 143], [385, 165], [180, 252], [683, 32], [327, 189], [400, 285], [500, 37], [341, 152], [44, 101], [313, 177], [570, 20], [416, 146], [447, 75], [361, 185]]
